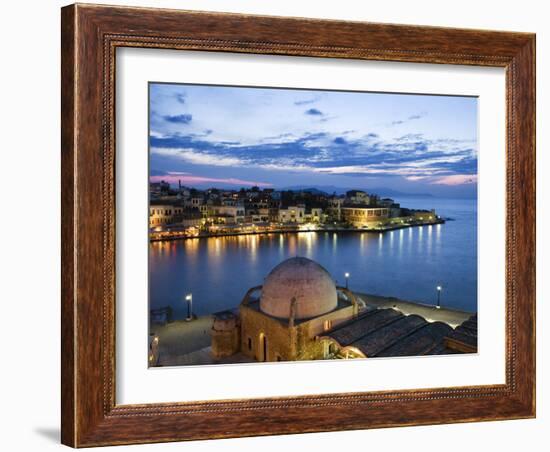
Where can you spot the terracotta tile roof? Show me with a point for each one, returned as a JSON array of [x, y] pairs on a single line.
[[388, 332]]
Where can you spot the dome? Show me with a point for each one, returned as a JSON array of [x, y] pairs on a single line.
[[301, 279]]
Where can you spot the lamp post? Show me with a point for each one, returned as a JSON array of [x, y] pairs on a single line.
[[347, 277], [438, 306], [189, 299]]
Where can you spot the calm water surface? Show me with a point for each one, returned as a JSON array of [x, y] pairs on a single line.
[[407, 263]]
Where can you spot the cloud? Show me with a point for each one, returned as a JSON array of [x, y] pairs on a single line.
[[154, 172], [313, 112], [410, 137], [412, 156], [181, 97], [178, 119], [199, 158], [340, 140], [398, 122], [306, 101], [456, 179]]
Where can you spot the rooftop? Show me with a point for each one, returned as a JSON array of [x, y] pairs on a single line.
[[362, 206], [298, 287], [255, 305], [388, 332]]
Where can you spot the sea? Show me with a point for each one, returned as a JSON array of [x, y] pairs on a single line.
[[407, 263]]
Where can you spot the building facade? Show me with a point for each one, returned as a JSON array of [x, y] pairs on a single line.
[[284, 319], [292, 214], [360, 216], [227, 214], [163, 214]]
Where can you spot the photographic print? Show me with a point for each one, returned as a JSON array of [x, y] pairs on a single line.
[[294, 224]]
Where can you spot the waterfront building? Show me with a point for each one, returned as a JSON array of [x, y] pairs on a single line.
[[257, 215], [292, 214], [203, 209], [314, 215], [364, 216], [159, 188], [395, 211], [360, 197], [230, 201], [334, 210], [280, 320], [195, 201], [163, 214], [191, 219], [260, 211], [226, 214], [424, 215], [300, 314], [385, 202]]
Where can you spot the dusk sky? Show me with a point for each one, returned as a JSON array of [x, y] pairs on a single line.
[[232, 137]]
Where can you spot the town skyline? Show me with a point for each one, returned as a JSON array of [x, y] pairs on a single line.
[[175, 183], [188, 212], [232, 137]]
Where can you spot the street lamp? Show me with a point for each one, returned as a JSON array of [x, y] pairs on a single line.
[[347, 277], [438, 306], [189, 299]]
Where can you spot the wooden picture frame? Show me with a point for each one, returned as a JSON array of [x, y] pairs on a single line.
[[90, 36]]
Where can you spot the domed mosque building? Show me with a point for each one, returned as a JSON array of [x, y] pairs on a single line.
[[281, 320], [300, 314]]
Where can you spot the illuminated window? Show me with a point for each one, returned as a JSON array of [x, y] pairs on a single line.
[[327, 325]]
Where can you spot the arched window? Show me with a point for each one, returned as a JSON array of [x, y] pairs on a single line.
[[262, 348]]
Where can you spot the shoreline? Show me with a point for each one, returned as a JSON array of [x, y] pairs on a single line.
[[286, 231]]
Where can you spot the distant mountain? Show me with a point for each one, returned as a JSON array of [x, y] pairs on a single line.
[[315, 190], [396, 193], [329, 189]]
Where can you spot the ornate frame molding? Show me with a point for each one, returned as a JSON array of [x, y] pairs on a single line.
[[90, 37]]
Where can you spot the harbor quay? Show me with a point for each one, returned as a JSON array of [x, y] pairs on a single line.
[[175, 234], [190, 213]]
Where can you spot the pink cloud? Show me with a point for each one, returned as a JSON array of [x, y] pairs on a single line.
[[189, 179], [456, 179]]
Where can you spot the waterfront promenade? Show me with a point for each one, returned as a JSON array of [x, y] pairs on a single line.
[[181, 337], [188, 343], [176, 235]]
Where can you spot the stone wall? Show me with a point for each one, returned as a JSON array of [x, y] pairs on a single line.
[[285, 342], [225, 343], [225, 335], [317, 326], [257, 327]]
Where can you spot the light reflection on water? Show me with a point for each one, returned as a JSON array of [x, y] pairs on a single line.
[[407, 263]]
